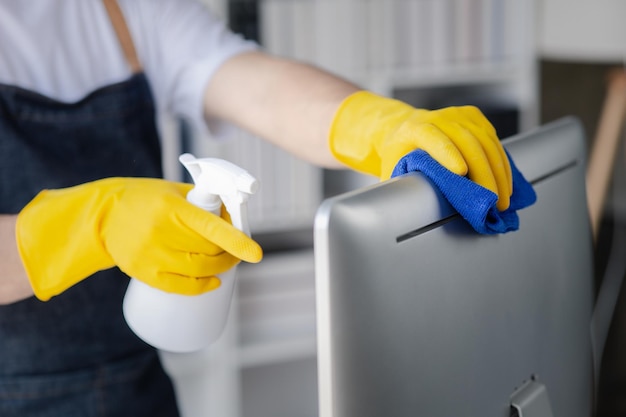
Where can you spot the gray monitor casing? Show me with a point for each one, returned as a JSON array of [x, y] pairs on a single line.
[[417, 315]]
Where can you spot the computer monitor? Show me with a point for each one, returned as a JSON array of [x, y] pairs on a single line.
[[418, 315]]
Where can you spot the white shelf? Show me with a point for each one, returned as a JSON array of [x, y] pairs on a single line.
[[273, 352], [500, 74], [276, 309], [462, 74]]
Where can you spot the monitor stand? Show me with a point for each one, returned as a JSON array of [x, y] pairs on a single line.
[[531, 400]]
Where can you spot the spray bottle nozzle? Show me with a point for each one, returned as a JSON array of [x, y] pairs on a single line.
[[217, 181]]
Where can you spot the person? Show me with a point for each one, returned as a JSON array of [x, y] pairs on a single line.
[[82, 197]]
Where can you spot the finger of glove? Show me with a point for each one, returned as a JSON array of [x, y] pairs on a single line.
[[500, 167], [480, 126], [185, 255], [185, 285], [479, 166], [437, 144], [221, 233], [208, 259]]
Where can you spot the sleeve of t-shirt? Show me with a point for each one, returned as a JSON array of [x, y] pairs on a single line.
[[181, 44]]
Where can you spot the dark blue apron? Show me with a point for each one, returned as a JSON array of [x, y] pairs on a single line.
[[74, 355]]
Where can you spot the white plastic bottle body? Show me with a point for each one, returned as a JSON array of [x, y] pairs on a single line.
[[178, 323]]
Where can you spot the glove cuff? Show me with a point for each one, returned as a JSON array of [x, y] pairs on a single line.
[[58, 243], [360, 126]]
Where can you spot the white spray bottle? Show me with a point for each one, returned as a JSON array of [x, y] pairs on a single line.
[[180, 323]]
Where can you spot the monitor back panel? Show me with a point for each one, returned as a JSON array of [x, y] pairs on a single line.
[[420, 316]]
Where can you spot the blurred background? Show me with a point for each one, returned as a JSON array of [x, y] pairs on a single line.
[[523, 62]]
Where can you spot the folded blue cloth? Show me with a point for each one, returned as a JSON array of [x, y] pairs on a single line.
[[474, 203]]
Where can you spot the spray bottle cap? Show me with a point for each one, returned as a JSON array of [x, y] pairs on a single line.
[[217, 181]]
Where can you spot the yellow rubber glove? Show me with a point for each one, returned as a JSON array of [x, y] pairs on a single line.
[[144, 226], [371, 134]]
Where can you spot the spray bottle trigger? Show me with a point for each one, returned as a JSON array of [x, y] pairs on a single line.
[[217, 181]]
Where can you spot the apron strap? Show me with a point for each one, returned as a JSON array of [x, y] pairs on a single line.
[[123, 35]]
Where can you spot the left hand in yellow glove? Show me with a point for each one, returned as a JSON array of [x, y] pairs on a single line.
[[144, 226], [371, 134]]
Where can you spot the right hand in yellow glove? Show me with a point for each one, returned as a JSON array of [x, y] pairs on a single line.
[[144, 226], [371, 134]]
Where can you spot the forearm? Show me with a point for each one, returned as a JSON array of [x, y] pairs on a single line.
[[14, 284], [288, 103]]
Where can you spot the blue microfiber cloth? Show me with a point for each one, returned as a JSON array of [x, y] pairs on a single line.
[[474, 203]]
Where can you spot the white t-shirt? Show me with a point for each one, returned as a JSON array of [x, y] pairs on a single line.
[[66, 49]]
